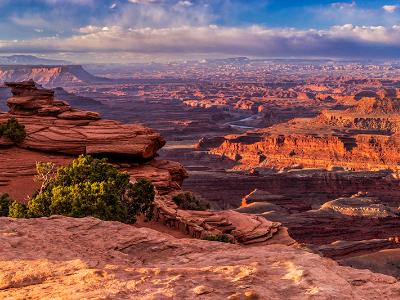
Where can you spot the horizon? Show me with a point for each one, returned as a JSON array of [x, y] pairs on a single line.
[[121, 31]]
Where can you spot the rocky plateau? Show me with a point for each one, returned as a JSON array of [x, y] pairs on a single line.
[[290, 157]]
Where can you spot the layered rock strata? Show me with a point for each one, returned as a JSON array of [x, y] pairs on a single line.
[[53, 126], [360, 138]]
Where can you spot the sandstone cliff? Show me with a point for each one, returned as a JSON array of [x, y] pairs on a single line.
[[357, 152], [364, 137]]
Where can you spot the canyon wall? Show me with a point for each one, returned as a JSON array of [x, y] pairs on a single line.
[[359, 152]]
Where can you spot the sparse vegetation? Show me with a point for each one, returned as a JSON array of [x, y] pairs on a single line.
[[188, 201], [88, 187], [223, 238], [4, 205], [18, 210], [13, 130]]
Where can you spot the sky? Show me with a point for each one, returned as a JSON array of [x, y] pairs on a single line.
[[159, 30]]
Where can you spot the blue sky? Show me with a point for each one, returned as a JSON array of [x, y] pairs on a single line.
[[167, 29]]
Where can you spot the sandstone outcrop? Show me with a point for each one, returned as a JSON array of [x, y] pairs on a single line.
[[360, 205], [53, 126], [60, 257], [342, 250], [384, 261], [262, 196]]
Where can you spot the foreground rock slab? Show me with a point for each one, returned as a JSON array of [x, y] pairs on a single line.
[[65, 258]]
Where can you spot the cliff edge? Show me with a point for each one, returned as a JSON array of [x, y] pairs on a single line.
[[67, 258]]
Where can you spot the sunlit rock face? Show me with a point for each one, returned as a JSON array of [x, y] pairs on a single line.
[[58, 257], [362, 137]]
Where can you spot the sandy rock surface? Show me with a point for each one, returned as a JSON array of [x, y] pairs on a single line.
[[65, 258]]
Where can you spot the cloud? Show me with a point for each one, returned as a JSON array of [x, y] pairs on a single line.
[[185, 3], [350, 12], [344, 5], [178, 13], [75, 2], [339, 41], [390, 8], [178, 28], [29, 20], [142, 1]]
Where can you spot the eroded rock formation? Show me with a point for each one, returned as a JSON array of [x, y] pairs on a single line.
[[53, 126]]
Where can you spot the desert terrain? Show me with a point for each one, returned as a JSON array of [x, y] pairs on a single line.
[[292, 155]]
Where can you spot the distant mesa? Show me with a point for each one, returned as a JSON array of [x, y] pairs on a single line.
[[50, 76], [30, 60]]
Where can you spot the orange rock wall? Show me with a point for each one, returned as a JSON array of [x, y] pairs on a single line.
[[363, 152]]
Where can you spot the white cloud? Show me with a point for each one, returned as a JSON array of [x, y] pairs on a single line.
[[185, 3], [347, 40], [142, 1], [76, 2], [89, 29], [183, 28], [159, 16], [390, 8], [344, 5]]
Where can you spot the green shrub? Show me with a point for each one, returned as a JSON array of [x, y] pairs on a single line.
[[4, 205], [18, 210], [13, 130], [140, 199], [223, 238], [91, 187], [188, 201]]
